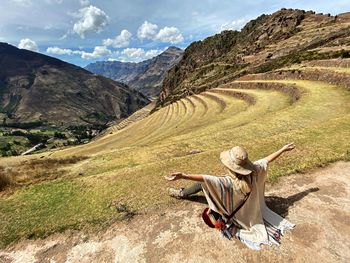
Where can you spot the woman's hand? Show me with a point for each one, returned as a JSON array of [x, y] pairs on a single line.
[[288, 147], [285, 148], [175, 176]]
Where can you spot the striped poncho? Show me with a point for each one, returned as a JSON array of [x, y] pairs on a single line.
[[259, 224]]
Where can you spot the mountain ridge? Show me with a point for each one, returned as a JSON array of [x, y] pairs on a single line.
[[265, 43], [145, 76], [38, 87]]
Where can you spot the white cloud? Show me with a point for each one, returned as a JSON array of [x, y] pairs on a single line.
[[147, 31], [135, 53], [92, 19], [28, 44], [152, 53], [234, 25], [122, 40], [99, 51], [170, 34], [59, 51], [25, 3], [139, 54], [167, 34], [62, 51], [128, 54]]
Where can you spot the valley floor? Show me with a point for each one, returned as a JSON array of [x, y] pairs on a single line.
[[318, 203]]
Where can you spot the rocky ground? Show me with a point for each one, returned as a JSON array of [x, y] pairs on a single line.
[[318, 203]]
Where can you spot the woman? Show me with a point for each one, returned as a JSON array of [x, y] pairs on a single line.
[[239, 196]]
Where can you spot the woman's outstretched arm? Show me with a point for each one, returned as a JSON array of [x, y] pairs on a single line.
[[179, 175], [275, 155]]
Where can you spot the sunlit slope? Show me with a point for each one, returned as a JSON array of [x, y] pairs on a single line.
[[335, 69], [136, 116], [127, 166], [204, 123]]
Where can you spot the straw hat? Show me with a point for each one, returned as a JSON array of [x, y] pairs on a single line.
[[236, 159]]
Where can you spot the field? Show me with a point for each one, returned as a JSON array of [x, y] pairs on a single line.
[[121, 173]]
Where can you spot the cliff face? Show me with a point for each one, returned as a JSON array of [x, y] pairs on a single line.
[[146, 76], [35, 87], [268, 42]]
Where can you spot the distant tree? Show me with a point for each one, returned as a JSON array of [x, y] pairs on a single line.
[[59, 135], [345, 54]]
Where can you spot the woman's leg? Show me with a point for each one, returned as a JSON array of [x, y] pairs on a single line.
[[193, 189], [185, 192]]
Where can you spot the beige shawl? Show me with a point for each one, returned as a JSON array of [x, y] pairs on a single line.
[[252, 214]]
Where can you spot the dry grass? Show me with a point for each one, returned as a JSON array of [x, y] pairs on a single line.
[[34, 171], [5, 179]]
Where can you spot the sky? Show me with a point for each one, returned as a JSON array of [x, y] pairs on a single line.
[[85, 31]]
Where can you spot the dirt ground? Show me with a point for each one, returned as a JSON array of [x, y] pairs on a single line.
[[318, 203]]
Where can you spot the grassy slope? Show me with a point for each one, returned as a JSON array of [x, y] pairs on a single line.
[[127, 167], [313, 68]]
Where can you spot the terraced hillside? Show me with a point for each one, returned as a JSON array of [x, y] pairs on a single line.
[[269, 42], [136, 116], [121, 173]]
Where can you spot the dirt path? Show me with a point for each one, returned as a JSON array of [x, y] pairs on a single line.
[[319, 203]]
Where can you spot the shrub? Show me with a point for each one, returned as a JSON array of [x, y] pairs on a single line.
[[345, 54], [19, 133], [60, 135], [36, 138]]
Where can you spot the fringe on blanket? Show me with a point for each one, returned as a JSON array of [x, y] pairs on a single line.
[[274, 236]]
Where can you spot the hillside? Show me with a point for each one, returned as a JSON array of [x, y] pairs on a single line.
[[43, 96], [146, 76], [116, 182], [35, 87], [268, 42], [108, 179]]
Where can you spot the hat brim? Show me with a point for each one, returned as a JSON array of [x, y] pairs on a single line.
[[243, 169]]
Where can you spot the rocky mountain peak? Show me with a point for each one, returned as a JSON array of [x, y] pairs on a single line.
[[173, 49], [146, 76]]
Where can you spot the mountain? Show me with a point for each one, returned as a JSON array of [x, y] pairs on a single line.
[[146, 76], [264, 44], [39, 88]]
